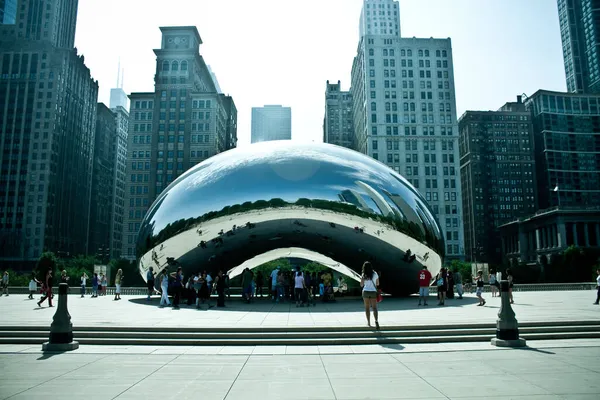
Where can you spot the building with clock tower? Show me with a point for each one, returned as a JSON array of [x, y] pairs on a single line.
[[182, 123]]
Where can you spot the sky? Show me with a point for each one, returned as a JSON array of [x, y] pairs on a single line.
[[284, 51]]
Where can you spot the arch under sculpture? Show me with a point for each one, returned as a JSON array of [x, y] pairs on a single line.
[[274, 195]]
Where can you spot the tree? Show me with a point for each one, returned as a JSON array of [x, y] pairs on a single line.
[[463, 267], [46, 262]]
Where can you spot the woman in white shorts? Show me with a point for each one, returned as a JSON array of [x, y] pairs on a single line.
[[369, 282]]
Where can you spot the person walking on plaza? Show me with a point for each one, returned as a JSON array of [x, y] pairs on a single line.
[[247, 285], [458, 283], [177, 286], [221, 283], [84, 278], [260, 282], [118, 279], [493, 287], [369, 281], [597, 287], [442, 284], [479, 292], [32, 286], [424, 281], [450, 287], [47, 290], [150, 281], [95, 285], [274, 275], [104, 284], [164, 286], [509, 278], [5, 281], [299, 286]]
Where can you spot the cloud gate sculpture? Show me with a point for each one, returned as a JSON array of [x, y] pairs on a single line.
[[257, 203]]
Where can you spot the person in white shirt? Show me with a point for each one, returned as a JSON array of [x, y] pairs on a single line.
[[274, 282], [369, 281], [299, 288], [598, 287], [84, 278]]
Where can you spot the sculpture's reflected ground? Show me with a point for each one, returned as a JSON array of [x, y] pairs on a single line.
[[278, 195]]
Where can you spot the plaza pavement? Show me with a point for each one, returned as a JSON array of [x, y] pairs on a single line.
[[558, 369], [17, 310]]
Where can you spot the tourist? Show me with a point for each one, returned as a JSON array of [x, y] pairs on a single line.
[[442, 285], [247, 285], [95, 285], [226, 276], [450, 287], [299, 286], [5, 280], [458, 283], [424, 282], [32, 286], [287, 283], [274, 275], [47, 289], [492, 280], [209, 283], [150, 281], [597, 287], [64, 278], [280, 287], [509, 278], [104, 284], [480, 284], [99, 285], [164, 286], [84, 279], [177, 287], [118, 281], [204, 290], [260, 281], [221, 283], [369, 281]]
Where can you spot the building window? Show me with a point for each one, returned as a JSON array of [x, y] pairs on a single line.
[[165, 66]]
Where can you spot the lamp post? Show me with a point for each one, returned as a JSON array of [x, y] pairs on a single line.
[[61, 330]]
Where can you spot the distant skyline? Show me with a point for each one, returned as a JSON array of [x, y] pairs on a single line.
[[283, 52]]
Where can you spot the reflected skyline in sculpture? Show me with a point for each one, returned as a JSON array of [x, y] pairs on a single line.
[[318, 197]]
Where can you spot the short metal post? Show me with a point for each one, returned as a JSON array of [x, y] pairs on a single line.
[[507, 327], [61, 330]]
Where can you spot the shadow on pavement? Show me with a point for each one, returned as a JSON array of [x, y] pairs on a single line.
[[343, 304]]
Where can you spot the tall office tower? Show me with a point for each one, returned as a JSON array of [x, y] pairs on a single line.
[[337, 125], [380, 17], [272, 122], [497, 171], [183, 122], [567, 148], [580, 33], [8, 11], [404, 112], [48, 120]]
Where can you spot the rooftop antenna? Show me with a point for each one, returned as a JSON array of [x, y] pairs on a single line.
[[122, 77], [118, 71]]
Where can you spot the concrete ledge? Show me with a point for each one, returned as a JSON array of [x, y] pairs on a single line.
[[57, 347], [508, 343]]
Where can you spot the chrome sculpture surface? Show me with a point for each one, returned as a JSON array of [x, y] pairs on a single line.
[[255, 203]]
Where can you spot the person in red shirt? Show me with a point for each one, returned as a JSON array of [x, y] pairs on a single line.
[[424, 281]]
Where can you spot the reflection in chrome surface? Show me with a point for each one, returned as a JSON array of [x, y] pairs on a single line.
[[322, 198]]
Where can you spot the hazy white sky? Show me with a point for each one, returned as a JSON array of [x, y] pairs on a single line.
[[283, 51]]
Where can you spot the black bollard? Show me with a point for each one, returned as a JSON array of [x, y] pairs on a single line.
[[507, 327], [61, 330]]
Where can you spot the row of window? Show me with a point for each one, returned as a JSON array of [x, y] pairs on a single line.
[[408, 53]]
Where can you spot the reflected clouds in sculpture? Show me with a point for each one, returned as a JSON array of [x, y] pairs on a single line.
[[322, 198]]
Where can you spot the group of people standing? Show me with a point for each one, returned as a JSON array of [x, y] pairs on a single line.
[[196, 290]]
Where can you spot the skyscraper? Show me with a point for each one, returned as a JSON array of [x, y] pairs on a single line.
[[271, 122], [380, 17], [580, 33], [183, 122], [567, 148], [497, 171], [337, 124], [404, 111], [8, 11], [48, 120]]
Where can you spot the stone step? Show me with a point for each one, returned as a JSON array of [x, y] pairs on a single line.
[[285, 335], [299, 341]]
